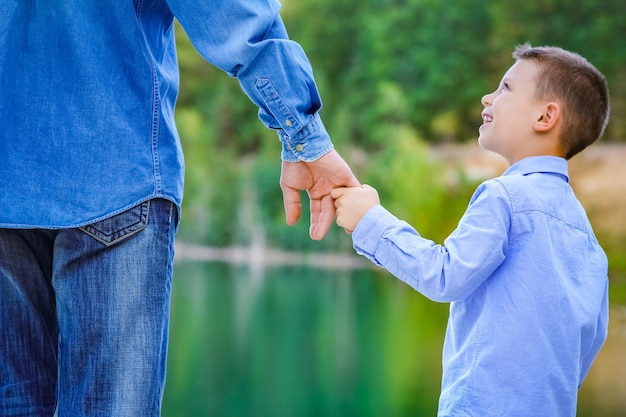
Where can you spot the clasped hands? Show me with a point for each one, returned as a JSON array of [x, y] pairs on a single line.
[[333, 190]]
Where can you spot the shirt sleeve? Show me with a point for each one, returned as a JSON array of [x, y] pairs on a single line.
[[448, 272], [247, 39]]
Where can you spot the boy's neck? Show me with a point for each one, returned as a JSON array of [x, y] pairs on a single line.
[[545, 144]]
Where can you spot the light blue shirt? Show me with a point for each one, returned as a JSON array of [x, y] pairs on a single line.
[[87, 96], [527, 281]]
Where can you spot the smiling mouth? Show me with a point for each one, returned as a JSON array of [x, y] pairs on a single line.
[[487, 118]]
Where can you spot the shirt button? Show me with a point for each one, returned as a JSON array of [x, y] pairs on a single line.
[[288, 123], [299, 147]]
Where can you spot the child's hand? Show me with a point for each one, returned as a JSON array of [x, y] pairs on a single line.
[[352, 203]]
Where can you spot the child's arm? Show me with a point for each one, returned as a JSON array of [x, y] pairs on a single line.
[[442, 273]]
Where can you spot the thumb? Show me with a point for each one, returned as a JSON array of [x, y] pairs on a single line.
[[292, 204], [338, 192], [322, 215]]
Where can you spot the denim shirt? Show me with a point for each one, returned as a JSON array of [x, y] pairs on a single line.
[[87, 96], [527, 281]]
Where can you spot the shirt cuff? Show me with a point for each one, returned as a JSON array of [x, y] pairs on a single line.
[[368, 233], [309, 144]]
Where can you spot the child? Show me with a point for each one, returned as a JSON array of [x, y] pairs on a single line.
[[525, 275]]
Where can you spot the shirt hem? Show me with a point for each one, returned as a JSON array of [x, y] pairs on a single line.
[[108, 215]]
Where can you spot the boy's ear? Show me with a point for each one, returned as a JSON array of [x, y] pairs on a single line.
[[549, 117]]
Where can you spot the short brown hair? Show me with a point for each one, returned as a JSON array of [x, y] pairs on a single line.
[[579, 87]]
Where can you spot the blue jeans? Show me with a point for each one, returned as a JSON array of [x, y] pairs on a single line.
[[85, 315]]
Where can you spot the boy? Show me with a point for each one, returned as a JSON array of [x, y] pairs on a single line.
[[525, 275]]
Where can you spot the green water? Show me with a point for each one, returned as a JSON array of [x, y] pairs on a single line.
[[298, 341]]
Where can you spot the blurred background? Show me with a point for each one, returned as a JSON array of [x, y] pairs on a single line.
[[266, 322]]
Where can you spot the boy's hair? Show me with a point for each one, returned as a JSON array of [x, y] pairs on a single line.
[[579, 87]]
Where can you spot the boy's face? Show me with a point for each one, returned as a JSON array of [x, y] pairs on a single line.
[[510, 112]]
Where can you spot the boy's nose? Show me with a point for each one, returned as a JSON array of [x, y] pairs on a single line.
[[486, 100]]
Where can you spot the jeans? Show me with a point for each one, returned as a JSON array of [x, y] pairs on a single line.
[[85, 316]]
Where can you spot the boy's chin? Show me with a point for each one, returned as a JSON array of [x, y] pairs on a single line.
[[482, 143]]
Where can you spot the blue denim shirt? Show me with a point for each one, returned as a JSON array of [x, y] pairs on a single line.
[[527, 281], [87, 96]]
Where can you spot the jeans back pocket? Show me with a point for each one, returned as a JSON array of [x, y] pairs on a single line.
[[115, 229]]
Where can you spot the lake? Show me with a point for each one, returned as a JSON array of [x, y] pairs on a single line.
[[308, 340]]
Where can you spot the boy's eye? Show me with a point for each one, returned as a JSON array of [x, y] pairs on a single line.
[[505, 85]]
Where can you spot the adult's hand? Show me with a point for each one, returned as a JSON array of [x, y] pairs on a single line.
[[318, 178]]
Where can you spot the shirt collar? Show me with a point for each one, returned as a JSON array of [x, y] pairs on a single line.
[[539, 164]]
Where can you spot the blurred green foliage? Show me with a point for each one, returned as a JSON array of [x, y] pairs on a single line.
[[443, 55]]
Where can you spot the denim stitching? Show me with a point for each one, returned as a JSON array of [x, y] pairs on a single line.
[[126, 228]]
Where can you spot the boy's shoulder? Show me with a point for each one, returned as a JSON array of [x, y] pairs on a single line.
[[532, 190], [542, 188]]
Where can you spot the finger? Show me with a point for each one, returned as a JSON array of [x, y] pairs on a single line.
[[315, 206], [292, 204], [338, 192], [353, 182], [321, 221]]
